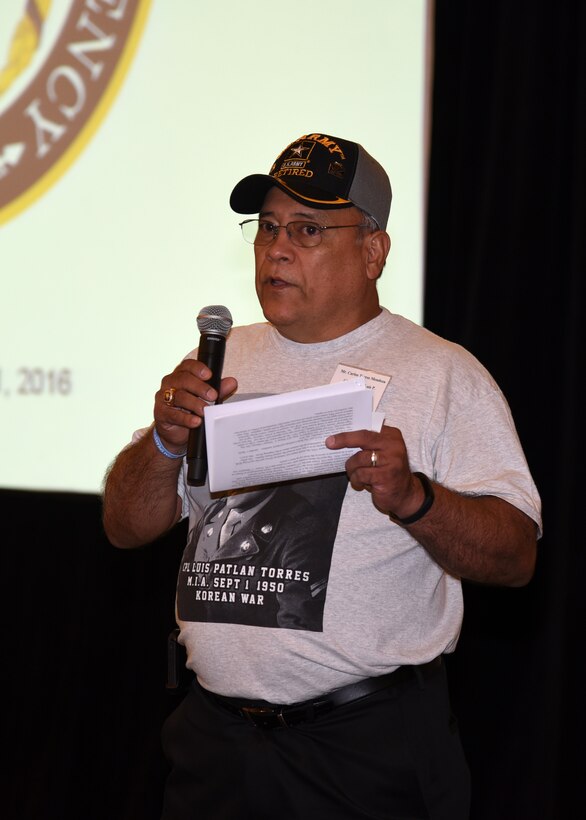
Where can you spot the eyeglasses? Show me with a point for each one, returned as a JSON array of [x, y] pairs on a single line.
[[303, 234]]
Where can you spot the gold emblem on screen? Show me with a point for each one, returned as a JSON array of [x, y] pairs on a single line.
[[62, 66]]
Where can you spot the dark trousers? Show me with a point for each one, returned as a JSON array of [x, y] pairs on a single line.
[[394, 755]]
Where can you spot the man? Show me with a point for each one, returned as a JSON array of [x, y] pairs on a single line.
[[345, 715]]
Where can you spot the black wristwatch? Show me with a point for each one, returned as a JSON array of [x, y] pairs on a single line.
[[425, 507]]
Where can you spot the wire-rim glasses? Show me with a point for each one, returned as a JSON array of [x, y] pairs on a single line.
[[301, 233]]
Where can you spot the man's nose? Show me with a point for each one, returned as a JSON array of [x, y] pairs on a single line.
[[280, 245]]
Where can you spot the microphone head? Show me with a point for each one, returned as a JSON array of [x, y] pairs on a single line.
[[216, 319]]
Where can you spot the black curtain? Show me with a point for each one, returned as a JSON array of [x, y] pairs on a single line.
[[505, 272], [85, 625], [84, 650]]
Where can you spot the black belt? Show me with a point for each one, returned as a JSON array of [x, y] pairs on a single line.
[[273, 716]]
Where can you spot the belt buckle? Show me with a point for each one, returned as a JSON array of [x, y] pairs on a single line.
[[259, 716]]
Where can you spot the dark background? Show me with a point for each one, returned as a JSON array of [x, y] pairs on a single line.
[[85, 625]]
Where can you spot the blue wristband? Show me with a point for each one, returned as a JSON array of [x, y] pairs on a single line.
[[162, 449]]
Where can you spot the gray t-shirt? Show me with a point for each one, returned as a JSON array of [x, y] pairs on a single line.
[[290, 592]]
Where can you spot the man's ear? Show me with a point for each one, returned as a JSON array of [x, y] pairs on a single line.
[[378, 245]]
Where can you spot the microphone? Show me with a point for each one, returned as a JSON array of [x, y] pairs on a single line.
[[214, 323]]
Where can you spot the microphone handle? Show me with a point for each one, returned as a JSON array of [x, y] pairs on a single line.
[[212, 347]]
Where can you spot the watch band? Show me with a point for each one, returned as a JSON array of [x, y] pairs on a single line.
[[425, 507]]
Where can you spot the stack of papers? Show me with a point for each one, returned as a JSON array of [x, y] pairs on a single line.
[[280, 438]]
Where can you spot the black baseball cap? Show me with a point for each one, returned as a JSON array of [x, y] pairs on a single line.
[[323, 172]]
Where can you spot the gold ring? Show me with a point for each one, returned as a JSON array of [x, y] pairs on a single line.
[[169, 396], [373, 458]]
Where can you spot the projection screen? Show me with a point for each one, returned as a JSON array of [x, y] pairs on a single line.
[[124, 126]]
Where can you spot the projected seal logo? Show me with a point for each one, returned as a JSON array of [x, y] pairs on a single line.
[[61, 64]]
